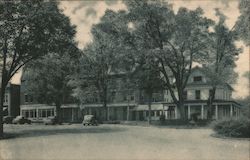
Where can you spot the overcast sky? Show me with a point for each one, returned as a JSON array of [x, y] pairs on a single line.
[[84, 14]]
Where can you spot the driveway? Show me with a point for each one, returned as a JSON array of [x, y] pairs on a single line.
[[117, 142]]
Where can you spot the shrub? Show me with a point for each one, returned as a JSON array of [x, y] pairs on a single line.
[[233, 127]]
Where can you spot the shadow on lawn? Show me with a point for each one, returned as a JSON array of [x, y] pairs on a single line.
[[60, 131]]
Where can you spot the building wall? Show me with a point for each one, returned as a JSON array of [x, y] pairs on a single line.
[[12, 100]]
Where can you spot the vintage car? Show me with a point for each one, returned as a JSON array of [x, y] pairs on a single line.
[[21, 120], [50, 120], [89, 120]]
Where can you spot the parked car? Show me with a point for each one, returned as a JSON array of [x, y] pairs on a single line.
[[50, 120], [89, 120], [8, 119], [21, 120]]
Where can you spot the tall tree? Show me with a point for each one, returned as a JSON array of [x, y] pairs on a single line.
[[99, 63], [219, 64], [47, 79], [242, 25], [148, 80], [176, 40], [29, 29]]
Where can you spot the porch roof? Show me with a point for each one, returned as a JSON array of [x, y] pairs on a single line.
[[108, 105], [204, 102]]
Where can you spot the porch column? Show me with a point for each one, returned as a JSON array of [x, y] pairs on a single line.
[[72, 114], [216, 111], [175, 114], [188, 111], [155, 113], [202, 111], [236, 110], [145, 115], [108, 113], [127, 113], [231, 110], [166, 114]]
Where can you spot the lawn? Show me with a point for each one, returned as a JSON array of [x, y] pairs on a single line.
[[117, 142]]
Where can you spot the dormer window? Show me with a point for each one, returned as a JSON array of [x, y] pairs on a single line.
[[197, 79]]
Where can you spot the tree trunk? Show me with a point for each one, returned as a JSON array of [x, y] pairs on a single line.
[[106, 110], [4, 83], [180, 106], [149, 107], [210, 104], [1, 108], [128, 111], [58, 112], [182, 111]]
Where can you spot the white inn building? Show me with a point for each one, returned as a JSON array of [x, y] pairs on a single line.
[[196, 96]]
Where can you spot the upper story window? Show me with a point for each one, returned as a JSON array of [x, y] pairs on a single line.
[[197, 94], [210, 92], [31, 98], [197, 79], [26, 98], [185, 95], [124, 98], [5, 98], [132, 98]]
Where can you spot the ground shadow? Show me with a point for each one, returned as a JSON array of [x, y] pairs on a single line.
[[27, 133]]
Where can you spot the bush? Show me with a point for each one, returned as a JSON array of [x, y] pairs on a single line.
[[233, 127]]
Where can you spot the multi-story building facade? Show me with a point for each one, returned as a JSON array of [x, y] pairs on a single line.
[[126, 103], [134, 106], [36, 111], [11, 103]]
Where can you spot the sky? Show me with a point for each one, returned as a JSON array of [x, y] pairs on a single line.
[[85, 13]]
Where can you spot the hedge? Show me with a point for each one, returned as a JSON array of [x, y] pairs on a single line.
[[233, 127]]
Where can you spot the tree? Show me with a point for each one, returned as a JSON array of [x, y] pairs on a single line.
[[29, 29], [47, 79], [242, 25], [219, 64], [148, 80], [176, 40], [99, 62]]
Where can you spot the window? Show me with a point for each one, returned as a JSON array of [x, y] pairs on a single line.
[[26, 98], [197, 94], [6, 98], [132, 98], [157, 113], [154, 99], [166, 92], [124, 98], [52, 112], [31, 98], [185, 95], [210, 92], [43, 113], [48, 113], [31, 113], [142, 98], [34, 113], [26, 114], [197, 79]]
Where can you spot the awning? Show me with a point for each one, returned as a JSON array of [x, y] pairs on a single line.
[[144, 107]]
